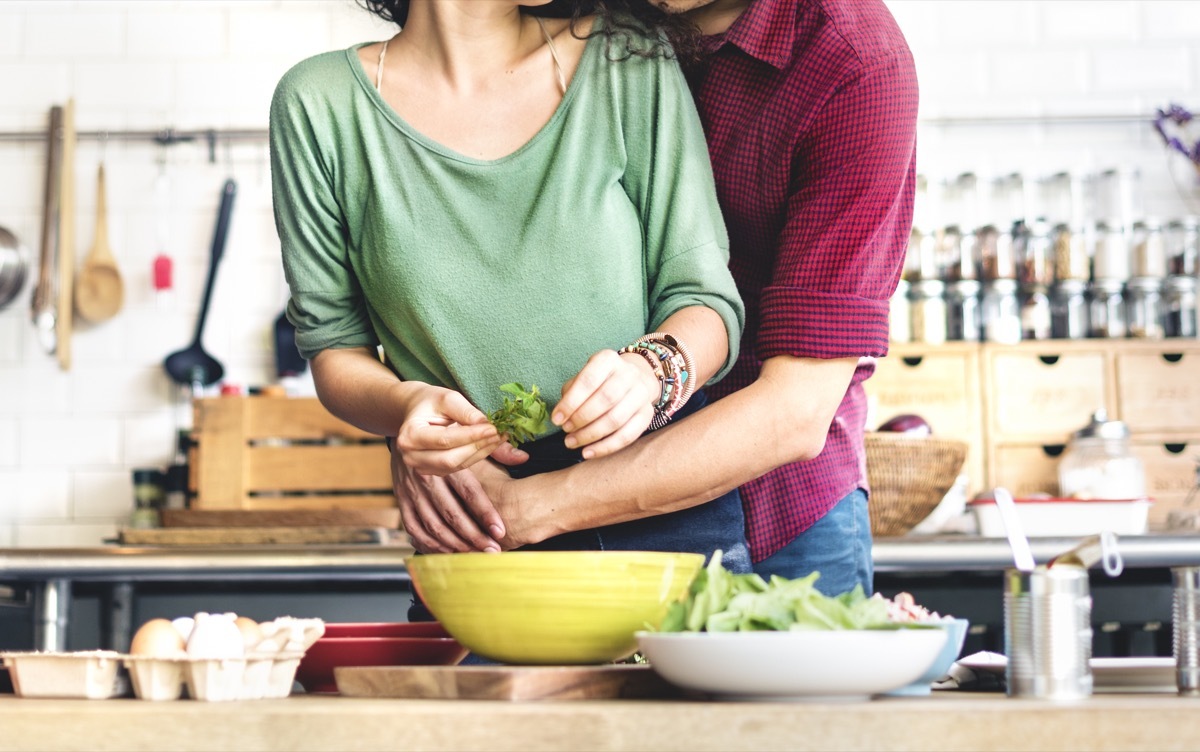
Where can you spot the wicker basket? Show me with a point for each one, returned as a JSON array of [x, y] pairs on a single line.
[[909, 476]]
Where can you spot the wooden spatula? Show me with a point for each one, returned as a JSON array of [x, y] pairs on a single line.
[[99, 290]]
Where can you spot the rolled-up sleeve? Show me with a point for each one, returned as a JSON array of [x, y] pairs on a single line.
[[326, 305]]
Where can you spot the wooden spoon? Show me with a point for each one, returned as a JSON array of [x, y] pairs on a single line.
[[99, 291]]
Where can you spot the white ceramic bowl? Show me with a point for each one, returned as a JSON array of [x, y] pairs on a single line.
[[836, 664]]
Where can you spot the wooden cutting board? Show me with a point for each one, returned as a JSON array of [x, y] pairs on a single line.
[[225, 536], [389, 518], [617, 681]]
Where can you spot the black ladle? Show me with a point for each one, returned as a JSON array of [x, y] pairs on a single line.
[[192, 365]]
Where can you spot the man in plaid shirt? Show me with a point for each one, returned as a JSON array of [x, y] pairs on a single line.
[[809, 108]]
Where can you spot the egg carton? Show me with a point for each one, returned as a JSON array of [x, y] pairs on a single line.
[[253, 677], [90, 675]]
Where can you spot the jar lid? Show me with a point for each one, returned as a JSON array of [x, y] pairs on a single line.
[[1102, 428]]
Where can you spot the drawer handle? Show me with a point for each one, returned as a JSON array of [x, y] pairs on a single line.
[[1175, 448], [1048, 359], [1053, 450], [1172, 357], [912, 360]]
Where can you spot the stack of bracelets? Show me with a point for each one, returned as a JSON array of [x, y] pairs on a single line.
[[672, 364]]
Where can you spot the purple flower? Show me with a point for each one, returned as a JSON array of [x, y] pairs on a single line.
[[1178, 116]]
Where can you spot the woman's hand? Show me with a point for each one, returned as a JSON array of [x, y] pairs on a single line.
[[608, 404], [442, 432]]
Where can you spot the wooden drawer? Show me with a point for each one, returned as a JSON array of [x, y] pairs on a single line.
[[941, 385], [1158, 391], [1026, 469], [1044, 396], [1171, 469], [284, 453]]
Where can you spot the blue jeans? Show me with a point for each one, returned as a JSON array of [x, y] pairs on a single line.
[[838, 546]]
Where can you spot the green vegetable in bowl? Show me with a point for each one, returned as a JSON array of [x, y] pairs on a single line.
[[720, 601], [523, 415]]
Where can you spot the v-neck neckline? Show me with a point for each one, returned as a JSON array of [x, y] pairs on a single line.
[[398, 121]]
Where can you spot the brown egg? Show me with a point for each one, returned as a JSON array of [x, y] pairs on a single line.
[[252, 634], [158, 638]]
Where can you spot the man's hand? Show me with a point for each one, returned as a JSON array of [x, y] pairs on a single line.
[[452, 513], [608, 404]]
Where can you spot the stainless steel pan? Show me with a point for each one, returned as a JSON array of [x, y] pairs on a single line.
[[13, 265]]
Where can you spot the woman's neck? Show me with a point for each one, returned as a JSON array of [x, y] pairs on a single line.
[[717, 16], [467, 41]]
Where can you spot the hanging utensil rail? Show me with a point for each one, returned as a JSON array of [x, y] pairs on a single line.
[[162, 136]]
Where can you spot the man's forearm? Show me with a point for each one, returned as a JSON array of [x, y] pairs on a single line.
[[782, 417]]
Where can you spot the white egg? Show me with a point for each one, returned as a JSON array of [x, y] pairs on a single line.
[[215, 636], [184, 624]]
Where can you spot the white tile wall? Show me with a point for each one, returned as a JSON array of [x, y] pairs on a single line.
[[69, 440]]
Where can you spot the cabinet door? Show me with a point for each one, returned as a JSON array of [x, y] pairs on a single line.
[[1159, 392], [1171, 472], [1043, 396]]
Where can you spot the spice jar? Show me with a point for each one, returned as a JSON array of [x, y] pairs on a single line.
[[1035, 314], [1106, 315], [1069, 310], [928, 311], [1098, 462], [1110, 256], [997, 257], [1071, 260], [1182, 240], [1001, 312], [964, 319], [1179, 306], [1037, 261], [1149, 251], [1143, 307]]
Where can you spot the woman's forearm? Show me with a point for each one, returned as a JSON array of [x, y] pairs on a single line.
[[357, 387], [702, 330]]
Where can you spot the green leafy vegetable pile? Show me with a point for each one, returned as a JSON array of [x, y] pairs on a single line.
[[523, 416], [720, 601]]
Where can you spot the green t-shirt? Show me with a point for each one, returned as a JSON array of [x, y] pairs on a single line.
[[474, 273]]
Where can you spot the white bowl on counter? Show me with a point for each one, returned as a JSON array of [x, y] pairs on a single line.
[[795, 665], [1053, 517]]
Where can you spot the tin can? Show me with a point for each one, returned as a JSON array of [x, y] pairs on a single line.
[[1048, 633], [1185, 614]]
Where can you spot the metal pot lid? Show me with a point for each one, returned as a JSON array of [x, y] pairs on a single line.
[[1102, 428]]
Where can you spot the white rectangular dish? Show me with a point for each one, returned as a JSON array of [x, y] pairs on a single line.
[[1048, 517]]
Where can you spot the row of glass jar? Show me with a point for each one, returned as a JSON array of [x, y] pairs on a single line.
[[1038, 254], [933, 311]]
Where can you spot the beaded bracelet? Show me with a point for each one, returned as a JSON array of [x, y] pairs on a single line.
[[672, 364]]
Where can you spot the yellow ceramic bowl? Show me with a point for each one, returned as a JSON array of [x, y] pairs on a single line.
[[551, 607]]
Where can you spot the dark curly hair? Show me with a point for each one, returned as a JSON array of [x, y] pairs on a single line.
[[625, 20]]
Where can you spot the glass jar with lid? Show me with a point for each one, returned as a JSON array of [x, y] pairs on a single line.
[[1100, 464]]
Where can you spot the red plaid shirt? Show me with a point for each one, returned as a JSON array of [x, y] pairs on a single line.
[[810, 111]]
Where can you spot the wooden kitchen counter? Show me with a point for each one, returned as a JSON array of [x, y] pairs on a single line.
[[944, 721]]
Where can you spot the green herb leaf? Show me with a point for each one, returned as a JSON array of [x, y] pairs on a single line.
[[523, 415], [720, 601]]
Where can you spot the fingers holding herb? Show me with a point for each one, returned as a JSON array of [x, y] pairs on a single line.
[[443, 433], [523, 416]]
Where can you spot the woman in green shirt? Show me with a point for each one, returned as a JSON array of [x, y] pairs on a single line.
[[499, 193]]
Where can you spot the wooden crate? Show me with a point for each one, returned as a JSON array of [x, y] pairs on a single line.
[[284, 453]]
